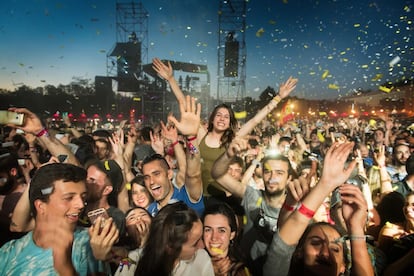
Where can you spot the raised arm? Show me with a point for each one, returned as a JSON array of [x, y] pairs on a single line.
[[32, 124], [220, 167], [293, 228], [166, 72], [284, 91], [170, 133], [355, 212], [333, 175], [188, 126]]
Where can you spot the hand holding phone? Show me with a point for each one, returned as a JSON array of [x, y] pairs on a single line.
[[95, 214], [10, 117]]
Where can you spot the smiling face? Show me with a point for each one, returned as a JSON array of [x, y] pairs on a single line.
[[217, 234], [322, 254], [157, 181], [140, 195], [66, 202], [221, 120]]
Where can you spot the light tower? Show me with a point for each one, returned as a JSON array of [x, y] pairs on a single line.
[[231, 68], [124, 61]]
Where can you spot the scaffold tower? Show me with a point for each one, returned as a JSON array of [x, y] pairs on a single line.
[[231, 84]]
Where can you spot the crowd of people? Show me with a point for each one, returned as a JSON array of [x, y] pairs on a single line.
[[304, 197]]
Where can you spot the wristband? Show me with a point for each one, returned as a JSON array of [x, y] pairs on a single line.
[[306, 211], [288, 207], [357, 238], [277, 98], [43, 132], [173, 144], [189, 139]]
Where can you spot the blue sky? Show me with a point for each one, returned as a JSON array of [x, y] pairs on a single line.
[[333, 47]]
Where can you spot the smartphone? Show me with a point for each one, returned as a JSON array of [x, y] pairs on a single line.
[[21, 161], [10, 117], [95, 214], [62, 158]]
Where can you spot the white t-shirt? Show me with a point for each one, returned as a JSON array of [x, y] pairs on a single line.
[[199, 265]]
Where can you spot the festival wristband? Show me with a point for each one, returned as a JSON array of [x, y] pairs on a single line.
[[306, 211], [189, 139], [288, 207], [43, 132]]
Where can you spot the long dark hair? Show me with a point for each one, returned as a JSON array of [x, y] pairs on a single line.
[[229, 133], [169, 231]]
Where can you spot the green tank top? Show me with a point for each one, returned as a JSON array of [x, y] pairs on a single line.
[[208, 157]]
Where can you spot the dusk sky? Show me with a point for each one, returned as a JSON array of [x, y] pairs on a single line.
[[333, 47]]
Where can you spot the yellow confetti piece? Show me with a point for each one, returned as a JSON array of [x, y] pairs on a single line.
[[312, 73], [259, 200], [260, 32], [325, 74], [240, 115], [333, 86], [321, 137], [244, 220], [385, 89], [357, 25], [364, 66], [372, 122], [216, 250], [377, 77], [272, 22], [342, 53], [322, 113]]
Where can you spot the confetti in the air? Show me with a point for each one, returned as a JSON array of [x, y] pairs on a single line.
[[394, 61], [260, 32]]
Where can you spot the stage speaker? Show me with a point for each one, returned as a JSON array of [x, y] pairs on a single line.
[[128, 58], [231, 59]]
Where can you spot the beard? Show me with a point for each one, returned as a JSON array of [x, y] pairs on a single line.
[[276, 193]]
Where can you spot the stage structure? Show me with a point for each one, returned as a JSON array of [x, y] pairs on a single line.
[[129, 74], [231, 68], [124, 61]]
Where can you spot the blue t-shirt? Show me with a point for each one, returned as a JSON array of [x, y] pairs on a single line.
[[180, 195], [24, 257]]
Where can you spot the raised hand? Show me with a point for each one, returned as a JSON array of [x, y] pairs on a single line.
[[334, 173], [157, 143], [169, 132], [102, 239], [190, 117], [31, 122], [354, 207], [379, 156], [164, 71], [237, 145], [287, 87]]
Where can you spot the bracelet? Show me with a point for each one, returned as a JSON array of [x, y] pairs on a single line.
[[306, 211], [173, 144], [277, 98], [189, 139], [43, 132], [192, 149], [357, 238], [288, 207]]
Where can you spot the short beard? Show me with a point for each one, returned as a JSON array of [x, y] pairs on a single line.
[[275, 193]]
